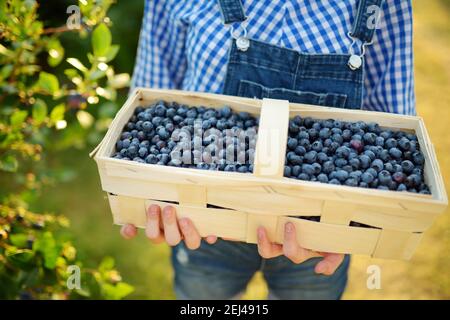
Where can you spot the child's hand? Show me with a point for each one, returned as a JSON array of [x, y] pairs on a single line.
[[164, 227], [291, 249]]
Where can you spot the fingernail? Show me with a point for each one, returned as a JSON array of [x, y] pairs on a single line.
[[260, 234], [183, 223], [153, 209], [321, 268], [289, 227], [167, 213], [128, 230]]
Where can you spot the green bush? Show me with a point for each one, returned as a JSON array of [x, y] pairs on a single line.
[[50, 101]]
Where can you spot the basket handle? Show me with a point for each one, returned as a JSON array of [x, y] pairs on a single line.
[[270, 150]]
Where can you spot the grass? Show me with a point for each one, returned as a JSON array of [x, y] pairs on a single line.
[[147, 267]]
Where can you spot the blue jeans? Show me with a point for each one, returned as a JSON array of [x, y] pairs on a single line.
[[223, 270]]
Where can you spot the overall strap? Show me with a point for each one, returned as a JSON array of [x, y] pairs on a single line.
[[232, 11], [366, 20]]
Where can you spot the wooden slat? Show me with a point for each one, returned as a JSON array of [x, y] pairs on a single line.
[[325, 237], [272, 139], [396, 244], [254, 221]]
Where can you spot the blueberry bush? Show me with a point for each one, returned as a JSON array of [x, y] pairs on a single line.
[[50, 100]]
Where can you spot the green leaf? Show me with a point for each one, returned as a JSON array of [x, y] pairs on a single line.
[[17, 118], [55, 52], [77, 64], [57, 113], [112, 52], [6, 71], [39, 111], [116, 292], [120, 80], [9, 163], [101, 40], [48, 82], [106, 264], [20, 258], [46, 245], [19, 239]]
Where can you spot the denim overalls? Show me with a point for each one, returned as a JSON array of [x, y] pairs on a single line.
[[261, 70]]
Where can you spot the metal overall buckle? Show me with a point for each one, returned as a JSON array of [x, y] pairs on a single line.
[[355, 60], [242, 42]]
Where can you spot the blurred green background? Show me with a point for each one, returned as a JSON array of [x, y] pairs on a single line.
[[147, 267]]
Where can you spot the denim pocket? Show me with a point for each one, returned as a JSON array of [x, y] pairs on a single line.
[[252, 89]]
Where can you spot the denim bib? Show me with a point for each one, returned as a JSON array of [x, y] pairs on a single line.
[[261, 70]]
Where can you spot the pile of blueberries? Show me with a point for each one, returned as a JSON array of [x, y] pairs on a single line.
[[154, 135], [356, 154]]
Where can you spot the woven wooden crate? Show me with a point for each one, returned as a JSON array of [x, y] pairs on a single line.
[[266, 198]]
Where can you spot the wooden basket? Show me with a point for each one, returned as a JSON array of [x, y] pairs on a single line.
[[266, 198]]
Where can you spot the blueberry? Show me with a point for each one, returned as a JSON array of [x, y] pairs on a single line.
[[335, 181], [381, 187], [363, 185], [341, 175], [413, 181], [292, 143], [395, 153], [293, 128], [367, 177], [297, 120], [303, 135], [418, 158], [296, 170], [295, 159], [308, 169], [384, 178], [377, 164], [386, 134], [370, 154], [351, 182], [310, 157], [317, 168], [355, 163], [389, 167], [390, 143], [225, 112], [369, 138], [308, 122], [156, 121], [343, 152], [322, 178], [317, 146], [346, 134], [407, 166], [304, 176], [177, 119], [340, 162], [322, 157], [328, 167], [300, 150], [337, 138], [324, 133], [242, 169], [355, 175], [313, 133], [151, 158], [163, 134], [287, 171], [143, 152]]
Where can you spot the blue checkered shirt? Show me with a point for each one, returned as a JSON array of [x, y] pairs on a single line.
[[184, 44]]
